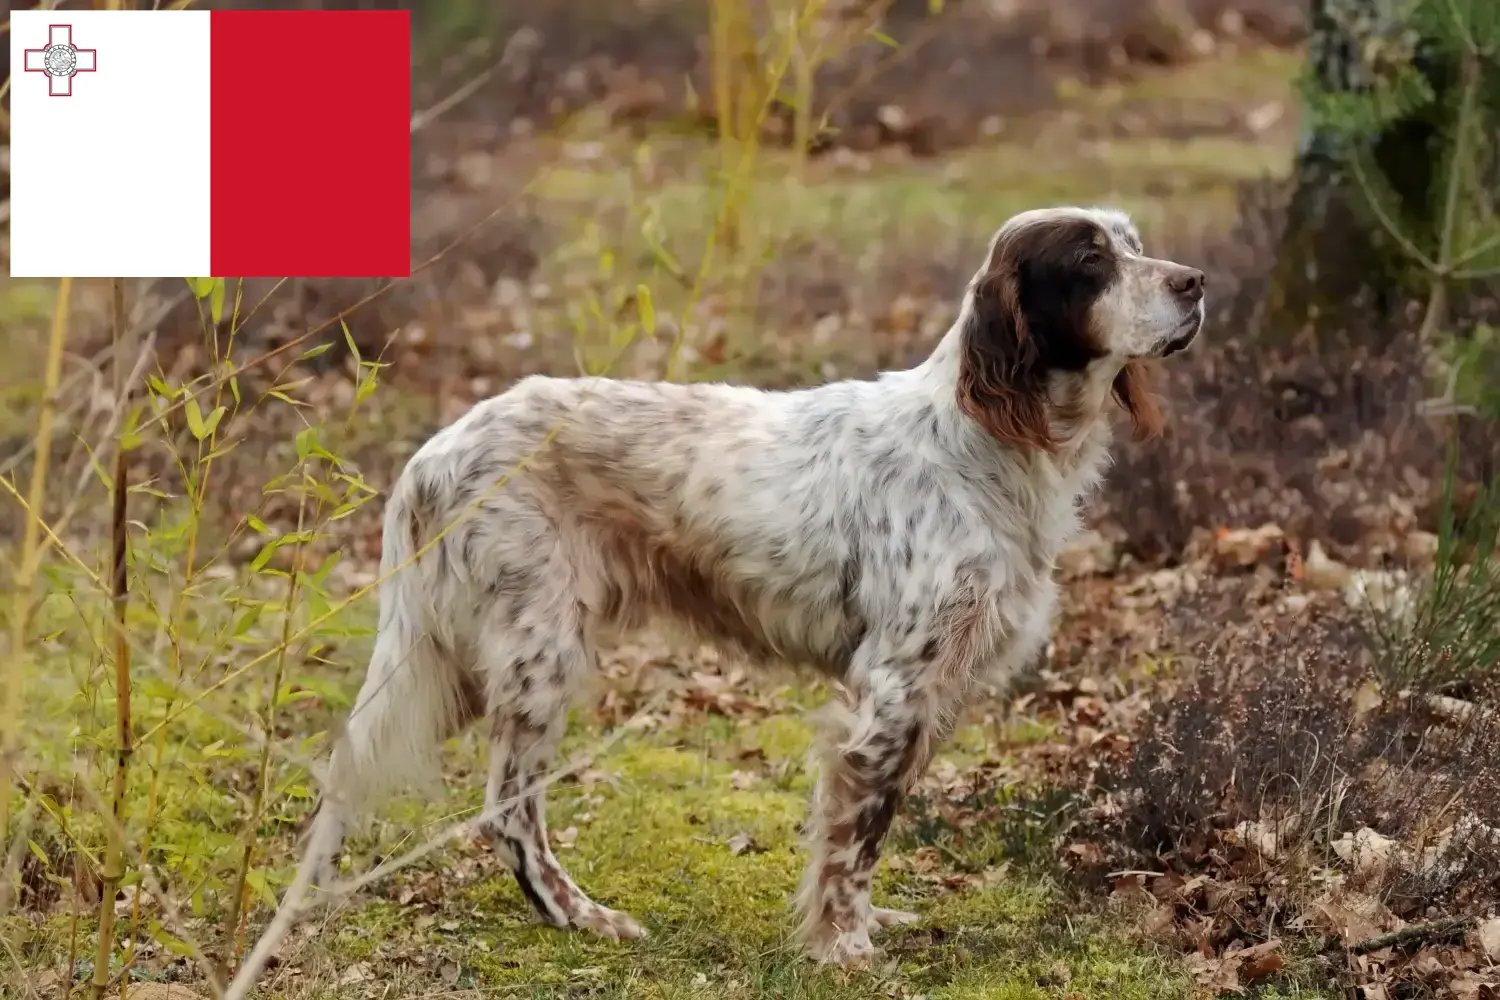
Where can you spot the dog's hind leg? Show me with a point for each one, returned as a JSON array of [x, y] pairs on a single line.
[[532, 676]]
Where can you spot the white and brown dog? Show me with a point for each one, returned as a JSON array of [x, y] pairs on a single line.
[[899, 534]]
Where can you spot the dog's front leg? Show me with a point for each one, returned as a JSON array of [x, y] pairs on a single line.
[[870, 756]]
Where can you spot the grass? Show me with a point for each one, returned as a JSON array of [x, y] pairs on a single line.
[[650, 829]]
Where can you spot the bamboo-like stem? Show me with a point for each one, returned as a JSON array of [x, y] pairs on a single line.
[[114, 857]]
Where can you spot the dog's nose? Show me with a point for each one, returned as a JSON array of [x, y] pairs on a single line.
[[1187, 283]]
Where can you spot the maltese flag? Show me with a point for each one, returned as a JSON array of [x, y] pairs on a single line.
[[229, 144]]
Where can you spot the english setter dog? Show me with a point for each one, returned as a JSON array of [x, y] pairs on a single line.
[[899, 534]]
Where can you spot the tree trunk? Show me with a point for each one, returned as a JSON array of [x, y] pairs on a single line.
[[1338, 267]]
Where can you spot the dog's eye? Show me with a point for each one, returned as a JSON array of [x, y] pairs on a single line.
[[1092, 257]]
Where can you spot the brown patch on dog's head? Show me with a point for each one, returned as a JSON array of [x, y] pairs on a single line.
[[1030, 315], [1060, 290]]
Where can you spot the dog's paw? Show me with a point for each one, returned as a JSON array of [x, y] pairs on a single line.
[[882, 918], [614, 925], [848, 951]]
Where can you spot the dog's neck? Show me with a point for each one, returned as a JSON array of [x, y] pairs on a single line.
[[1078, 406]]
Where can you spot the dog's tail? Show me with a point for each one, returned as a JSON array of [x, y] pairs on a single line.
[[416, 692]]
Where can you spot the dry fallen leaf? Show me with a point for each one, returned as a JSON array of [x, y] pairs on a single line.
[[1258, 837], [1489, 938], [1367, 698], [1475, 986], [1086, 853], [1349, 916], [1320, 572], [1233, 970], [1214, 975], [1261, 960], [359, 972], [1370, 853], [1244, 547]]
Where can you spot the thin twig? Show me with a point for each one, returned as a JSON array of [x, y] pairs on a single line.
[[1425, 933], [427, 116]]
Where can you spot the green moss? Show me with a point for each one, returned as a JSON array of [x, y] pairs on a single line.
[[654, 839]]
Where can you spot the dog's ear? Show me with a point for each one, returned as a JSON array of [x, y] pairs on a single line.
[[1133, 390], [1001, 384]]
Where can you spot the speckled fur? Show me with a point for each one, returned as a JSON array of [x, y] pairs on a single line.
[[898, 534]]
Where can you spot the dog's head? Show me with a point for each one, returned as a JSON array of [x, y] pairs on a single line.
[[1069, 290]]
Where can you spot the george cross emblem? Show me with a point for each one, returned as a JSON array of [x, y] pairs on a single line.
[[60, 60]]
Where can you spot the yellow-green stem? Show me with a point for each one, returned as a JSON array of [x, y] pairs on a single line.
[[26, 568], [234, 918]]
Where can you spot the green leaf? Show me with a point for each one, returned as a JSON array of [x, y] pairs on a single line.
[[648, 309], [367, 385], [287, 696], [173, 944], [160, 387], [247, 620], [320, 575], [349, 339], [156, 688], [307, 442], [200, 287], [130, 431], [194, 418], [212, 423], [220, 451], [315, 351], [257, 882], [264, 555], [216, 300]]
